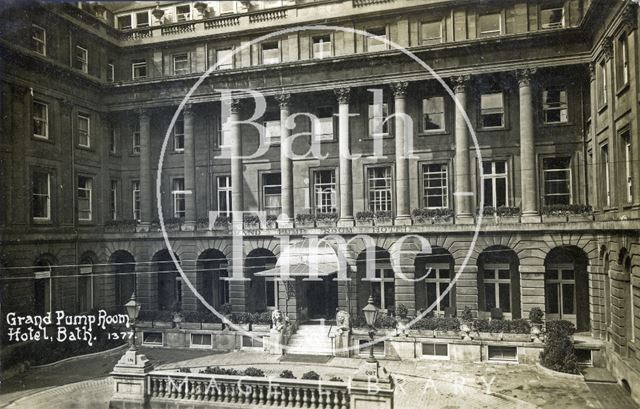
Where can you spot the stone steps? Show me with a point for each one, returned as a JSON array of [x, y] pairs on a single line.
[[310, 340]]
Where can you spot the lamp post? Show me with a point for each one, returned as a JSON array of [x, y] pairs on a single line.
[[133, 309], [371, 315]]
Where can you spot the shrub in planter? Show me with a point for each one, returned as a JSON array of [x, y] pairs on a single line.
[[251, 219], [487, 210], [336, 379], [567, 209], [251, 371], [271, 220], [225, 309], [287, 374], [365, 216], [536, 315], [327, 217], [184, 370], [519, 326], [121, 224], [262, 318], [384, 215], [222, 221], [216, 370], [311, 375], [508, 211], [466, 315], [402, 311], [559, 353], [305, 218]]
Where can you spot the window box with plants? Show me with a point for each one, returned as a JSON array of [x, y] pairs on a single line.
[[251, 221], [222, 222], [384, 218], [202, 223], [161, 319], [432, 216], [326, 219], [305, 220], [554, 214], [170, 224], [272, 221], [365, 218], [518, 330], [508, 214], [120, 226], [580, 213]]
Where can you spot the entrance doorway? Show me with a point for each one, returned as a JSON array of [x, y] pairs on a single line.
[[322, 297]]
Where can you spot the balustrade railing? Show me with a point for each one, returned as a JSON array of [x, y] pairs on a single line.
[[178, 28], [248, 390], [222, 22], [267, 16]]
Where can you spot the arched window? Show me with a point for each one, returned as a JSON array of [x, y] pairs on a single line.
[[499, 283], [567, 287], [434, 273]]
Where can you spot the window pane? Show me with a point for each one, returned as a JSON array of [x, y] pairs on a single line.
[[431, 293], [505, 297], [224, 58], [501, 192], [568, 299], [444, 303], [322, 46], [490, 296], [551, 297], [433, 112], [488, 192]]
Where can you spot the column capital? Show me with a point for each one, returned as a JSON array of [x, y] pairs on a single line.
[[607, 48], [524, 76], [343, 95], [144, 114], [284, 100], [234, 105], [188, 110], [460, 83], [400, 88], [629, 15]]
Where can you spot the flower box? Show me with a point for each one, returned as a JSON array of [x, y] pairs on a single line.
[[573, 218], [447, 334], [212, 326], [326, 223], [306, 224], [516, 337], [554, 218], [251, 226], [490, 336], [384, 222], [261, 327], [144, 324], [272, 224], [365, 222], [442, 220]]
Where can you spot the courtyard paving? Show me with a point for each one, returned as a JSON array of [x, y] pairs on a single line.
[[83, 383]]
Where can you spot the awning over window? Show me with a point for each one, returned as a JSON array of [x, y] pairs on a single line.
[[304, 259]]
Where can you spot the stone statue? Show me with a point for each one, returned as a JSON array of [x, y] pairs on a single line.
[[343, 320], [279, 321]]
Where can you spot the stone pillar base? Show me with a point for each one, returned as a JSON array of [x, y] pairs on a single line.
[[275, 342], [371, 387], [403, 221], [530, 218], [129, 381], [342, 343], [346, 222], [464, 219]]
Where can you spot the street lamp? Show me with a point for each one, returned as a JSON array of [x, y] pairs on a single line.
[[371, 315], [133, 309]]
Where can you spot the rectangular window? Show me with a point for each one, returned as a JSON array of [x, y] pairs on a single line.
[[497, 287], [557, 181], [271, 292], [179, 203], [602, 84], [323, 126], [224, 59], [495, 183], [178, 134], [376, 41], [433, 114], [435, 186], [604, 171], [139, 69], [271, 53], [125, 22], [490, 24], [113, 140], [436, 282], [181, 64], [380, 188], [183, 13], [142, 19], [41, 196], [560, 292], [501, 353], [622, 61], [378, 125], [628, 163], [492, 110], [40, 120], [111, 72], [324, 188], [135, 138], [378, 348], [552, 17], [84, 131], [152, 338], [226, 7], [271, 193], [38, 39], [84, 198], [431, 33], [82, 59], [554, 105], [322, 46], [113, 200], [224, 195], [431, 349], [135, 199], [201, 340]]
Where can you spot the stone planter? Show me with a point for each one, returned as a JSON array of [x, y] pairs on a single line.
[[120, 229], [554, 218], [261, 327], [162, 324], [144, 324], [509, 219], [272, 224], [191, 325], [222, 226], [420, 221], [488, 219], [516, 337], [576, 218], [251, 226], [367, 222], [442, 220], [212, 326], [326, 223], [306, 224], [490, 336], [447, 334], [384, 222]]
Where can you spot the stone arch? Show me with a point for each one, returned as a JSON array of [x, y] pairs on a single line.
[[498, 283], [221, 245], [261, 294], [211, 270], [433, 274], [567, 285], [271, 244]]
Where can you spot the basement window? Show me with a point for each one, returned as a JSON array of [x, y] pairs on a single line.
[[502, 353], [430, 349], [201, 341], [251, 342], [153, 338], [378, 347]]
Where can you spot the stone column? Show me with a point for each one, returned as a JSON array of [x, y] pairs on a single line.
[[189, 170], [462, 165], [286, 164], [346, 200], [146, 185], [237, 180], [528, 185], [403, 216], [595, 151]]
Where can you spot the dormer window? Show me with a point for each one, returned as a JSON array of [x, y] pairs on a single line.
[[183, 13], [270, 53], [552, 17], [490, 24], [376, 41]]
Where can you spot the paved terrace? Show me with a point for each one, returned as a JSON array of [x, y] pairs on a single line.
[[83, 383]]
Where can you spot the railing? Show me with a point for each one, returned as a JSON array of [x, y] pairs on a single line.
[[222, 22], [136, 34], [248, 390], [178, 28], [361, 3], [267, 16]]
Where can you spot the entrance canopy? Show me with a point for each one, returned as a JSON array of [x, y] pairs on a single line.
[[304, 258]]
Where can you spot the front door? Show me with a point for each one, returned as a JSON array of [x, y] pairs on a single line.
[[322, 297]]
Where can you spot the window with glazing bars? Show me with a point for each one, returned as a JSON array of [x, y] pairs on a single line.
[[324, 186], [435, 186], [380, 188], [557, 181]]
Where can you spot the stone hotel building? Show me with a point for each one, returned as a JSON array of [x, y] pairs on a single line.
[[549, 87]]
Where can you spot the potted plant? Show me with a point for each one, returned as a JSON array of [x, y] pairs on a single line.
[[384, 218], [251, 221], [535, 316], [261, 321], [272, 221], [191, 320], [365, 218], [326, 219], [402, 311], [466, 322], [202, 223], [222, 222], [305, 220], [508, 214], [419, 216], [580, 213], [554, 214]]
